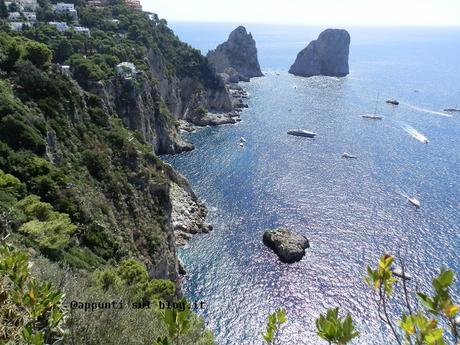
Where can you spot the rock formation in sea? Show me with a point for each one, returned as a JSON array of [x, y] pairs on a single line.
[[236, 59], [328, 55], [289, 247]]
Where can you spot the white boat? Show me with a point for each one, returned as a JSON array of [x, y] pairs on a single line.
[[372, 117], [414, 202], [241, 144], [242, 140], [397, 271], [302, 133], [348, 155]]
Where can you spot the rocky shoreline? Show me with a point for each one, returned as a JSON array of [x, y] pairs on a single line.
[[234, 61], [189, 214]]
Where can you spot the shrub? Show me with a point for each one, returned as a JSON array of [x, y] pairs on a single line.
[[49, 229], [97, 161], [37, 53], [30, 310]]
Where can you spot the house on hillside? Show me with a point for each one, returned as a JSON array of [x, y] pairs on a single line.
[[15, 17], [82, 30], [30, 16], [65, 8], [133, 4], [60, 26]]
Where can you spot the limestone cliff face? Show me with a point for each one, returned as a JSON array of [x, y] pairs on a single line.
[[139, 105], [237, 57], [328, 55], [185, 96]]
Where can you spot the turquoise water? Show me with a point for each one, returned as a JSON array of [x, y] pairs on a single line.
[[351, 210]]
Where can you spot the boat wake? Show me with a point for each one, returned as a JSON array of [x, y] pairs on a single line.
[[424, 110], [416, 134]]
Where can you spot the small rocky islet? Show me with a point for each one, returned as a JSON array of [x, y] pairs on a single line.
[[289, 246]]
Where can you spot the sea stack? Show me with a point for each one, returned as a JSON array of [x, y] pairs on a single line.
[[328, 55], [236, 59]]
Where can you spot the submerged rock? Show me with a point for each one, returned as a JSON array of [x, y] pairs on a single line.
[[328, 55], [236, 59], [289, 247]]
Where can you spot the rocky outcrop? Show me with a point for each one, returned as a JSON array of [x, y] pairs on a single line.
[[139, 105], [328, 55], [236, 59], [289, 247], [188, 214], [186, 97]]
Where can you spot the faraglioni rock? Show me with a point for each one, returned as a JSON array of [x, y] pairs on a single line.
[[236, 59], [289, 247], [328, 55]]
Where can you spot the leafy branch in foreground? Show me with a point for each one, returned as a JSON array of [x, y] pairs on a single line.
[[274, 322], [419, 327], [178, 322], [30, 310], [334, 329]]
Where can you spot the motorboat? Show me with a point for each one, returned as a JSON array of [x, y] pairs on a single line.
[[348, 155], [302, 133], [414, 202], [372, 117], [398, 272], [393, 102], [242, 140]]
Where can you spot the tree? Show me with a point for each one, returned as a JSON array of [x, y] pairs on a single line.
[[10, 52], [3, 10], [37, 53]]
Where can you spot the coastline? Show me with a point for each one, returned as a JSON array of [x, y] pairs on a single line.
[[189, 213]]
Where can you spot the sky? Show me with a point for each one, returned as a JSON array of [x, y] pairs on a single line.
[[312, 12]]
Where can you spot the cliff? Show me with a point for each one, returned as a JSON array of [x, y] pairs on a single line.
[[236, 59], [328, 55], [85, 145]]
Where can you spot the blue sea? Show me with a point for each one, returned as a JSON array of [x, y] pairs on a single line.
[[352, 211]]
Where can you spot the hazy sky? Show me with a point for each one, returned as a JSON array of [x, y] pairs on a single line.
[[312, 12]]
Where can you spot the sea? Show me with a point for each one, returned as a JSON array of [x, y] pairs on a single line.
[[351, 210]]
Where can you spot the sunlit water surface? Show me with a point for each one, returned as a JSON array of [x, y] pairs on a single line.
[[351, 210]]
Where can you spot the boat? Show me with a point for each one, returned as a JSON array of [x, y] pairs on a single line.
[[455, 109], [452, 110], [349, 156], [398, 272], [302, 133], [414, 202], [372, 117], [241, 145], [242, 140], [393, 102]]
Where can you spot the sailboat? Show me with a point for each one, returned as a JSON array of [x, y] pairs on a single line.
[[374, 116]]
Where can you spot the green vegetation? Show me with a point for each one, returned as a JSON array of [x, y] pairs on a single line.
[[416, 326], [334, 329], [435, 323], [274, 322], [30, 310]]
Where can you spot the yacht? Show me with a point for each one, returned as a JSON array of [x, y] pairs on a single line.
[[302, 133]]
